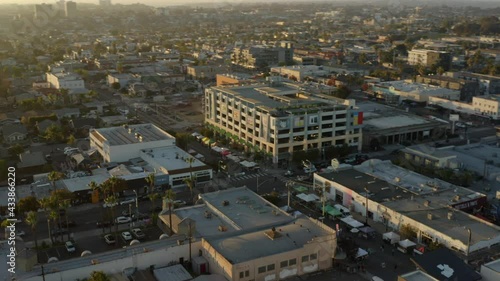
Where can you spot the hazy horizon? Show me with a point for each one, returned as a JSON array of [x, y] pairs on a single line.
[[177, 2]]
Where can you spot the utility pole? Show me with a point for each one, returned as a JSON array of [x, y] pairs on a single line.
[[468, 244], [366, 205]]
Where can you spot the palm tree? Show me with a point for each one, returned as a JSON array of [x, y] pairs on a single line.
[[32, 220], [95, 188], [170, 197], [64, 205], [153, 197], [45, 204], [151, 180], [53, 216], [55, 176], [190, 183], [111, 201], [99, 276]]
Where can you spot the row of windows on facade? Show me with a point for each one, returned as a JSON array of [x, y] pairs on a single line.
[[313, 119], [283, 264], [338, 127]]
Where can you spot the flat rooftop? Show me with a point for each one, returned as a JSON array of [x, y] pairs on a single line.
[[172, 158], [255, 244], [420, 88], [379, 116], [429, 151], [246, 209], [272, 97], [82, 183], [454, 228], [205, 226], [131, 134]]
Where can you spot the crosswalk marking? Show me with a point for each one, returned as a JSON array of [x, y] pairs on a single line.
[[247, 177]]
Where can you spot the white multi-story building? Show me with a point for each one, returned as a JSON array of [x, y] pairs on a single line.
[[120, 144], [281, 118], [65, 80], [487, 105], [429, 58]]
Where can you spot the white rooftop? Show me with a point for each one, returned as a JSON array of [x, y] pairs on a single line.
[[395, 121], [422, 89], [171, 158], [129, 134], [82, 183]]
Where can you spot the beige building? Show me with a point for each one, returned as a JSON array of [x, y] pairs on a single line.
[[244, 237], [205, 71], [487, 105]]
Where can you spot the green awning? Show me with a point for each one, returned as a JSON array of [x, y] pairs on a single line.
[[332, 211], [300, 188]]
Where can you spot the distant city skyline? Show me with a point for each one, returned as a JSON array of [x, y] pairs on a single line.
[[177, 2]]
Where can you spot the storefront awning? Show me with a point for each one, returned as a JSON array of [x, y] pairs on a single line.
[[332, 211]]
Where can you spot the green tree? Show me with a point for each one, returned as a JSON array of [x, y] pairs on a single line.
[[55, 176], [112, 201], [99, 276], [342, 92], [32, 221], [15, 150], [28, 204], [170, 197], [71, 140], [153, 197]]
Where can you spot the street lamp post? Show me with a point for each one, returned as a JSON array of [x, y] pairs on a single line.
[[136, 203], [468, 244], [366, 205], [130, 212]]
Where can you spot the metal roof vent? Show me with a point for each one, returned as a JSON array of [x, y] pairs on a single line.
[[451, 216], [430, 216], [427, 203]]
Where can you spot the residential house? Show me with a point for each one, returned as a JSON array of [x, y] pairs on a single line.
[[14, 133], [31, 162], [82, 126], [67, 113]]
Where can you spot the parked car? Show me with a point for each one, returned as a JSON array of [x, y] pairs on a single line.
[[70, 247], [138, 233], [127, 201], [126, 236], [122, 219], [103, 223], [110, 239], [179, 203]]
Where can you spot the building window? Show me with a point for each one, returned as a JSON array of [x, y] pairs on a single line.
[[270, 267], [247, 273], [313, 256], [305, 258], [292, 262], [284, 264], [242, 274], [261, 269]]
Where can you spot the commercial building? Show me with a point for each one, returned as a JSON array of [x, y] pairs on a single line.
[[70, 9], [259, 56], [397, 91], [120, 144], [280, 118], [233, 79], [438, 211], [488, 84], [467, 88], [65, 80], [429, 58], [484, 106], [175, 165], [391, 126], [205, 71], [301, 72], [491, 271], [244, 237]]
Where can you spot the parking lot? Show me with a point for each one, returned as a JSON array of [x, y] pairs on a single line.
[[96, 244]]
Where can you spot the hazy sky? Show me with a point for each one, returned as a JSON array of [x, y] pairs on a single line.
[[147, 2]]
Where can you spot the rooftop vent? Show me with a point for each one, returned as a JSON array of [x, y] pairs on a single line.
[[225, 203], [456, 198], [427, 203], [451, 216], [273, 234], [430, 216], [222, 228]]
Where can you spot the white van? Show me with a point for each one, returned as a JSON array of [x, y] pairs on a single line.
[[345, 212]]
